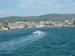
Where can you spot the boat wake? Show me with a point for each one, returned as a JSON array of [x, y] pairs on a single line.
[[37, 32], [8, 47]]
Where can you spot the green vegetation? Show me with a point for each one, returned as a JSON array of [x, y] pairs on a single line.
[[5, 24], [60, 17], [73, 24]]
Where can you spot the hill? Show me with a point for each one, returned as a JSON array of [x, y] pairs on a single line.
[[60, 17]]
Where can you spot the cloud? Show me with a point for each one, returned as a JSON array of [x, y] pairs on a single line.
[[72, 5], [31, 3], [68, 0], [58, 6], [6, 11], [44, 6], [25, 3]]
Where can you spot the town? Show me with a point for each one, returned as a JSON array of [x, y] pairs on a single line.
[[6, 25]]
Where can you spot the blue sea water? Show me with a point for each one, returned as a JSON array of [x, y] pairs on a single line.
[[55, 41]]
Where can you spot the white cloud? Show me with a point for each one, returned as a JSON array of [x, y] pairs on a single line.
[[33, 3], [47, 5], [72, 5], [68, 0], [57, 3], [59, 6], [25, 3], [6, 11]]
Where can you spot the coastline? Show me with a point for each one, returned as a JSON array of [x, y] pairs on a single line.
[[35, 28]]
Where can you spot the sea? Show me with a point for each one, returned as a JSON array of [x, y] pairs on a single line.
[[51, 41]]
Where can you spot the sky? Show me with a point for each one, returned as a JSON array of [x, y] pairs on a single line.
[[35, 7]]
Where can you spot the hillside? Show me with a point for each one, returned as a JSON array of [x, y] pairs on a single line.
[[60, 17]]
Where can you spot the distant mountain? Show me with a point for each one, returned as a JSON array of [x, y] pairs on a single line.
[[59, 17]]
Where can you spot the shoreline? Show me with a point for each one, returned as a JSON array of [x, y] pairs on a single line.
[[35, 28]]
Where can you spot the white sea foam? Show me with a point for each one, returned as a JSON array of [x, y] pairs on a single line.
[[9, 46]]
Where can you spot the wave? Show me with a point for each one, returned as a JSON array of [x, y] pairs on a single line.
[[8, 47]]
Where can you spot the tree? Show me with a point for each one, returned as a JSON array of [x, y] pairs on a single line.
[[73, 24], [5, 24]]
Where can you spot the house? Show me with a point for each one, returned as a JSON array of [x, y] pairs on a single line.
[[20, 26]]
